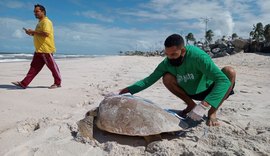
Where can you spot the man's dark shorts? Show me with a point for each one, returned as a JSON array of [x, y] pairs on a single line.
[[201, 96]]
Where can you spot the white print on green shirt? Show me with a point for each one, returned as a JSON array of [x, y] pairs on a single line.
[[185, 78]]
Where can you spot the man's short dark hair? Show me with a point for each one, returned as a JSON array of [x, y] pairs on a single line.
[[174, 40], [41, 7]]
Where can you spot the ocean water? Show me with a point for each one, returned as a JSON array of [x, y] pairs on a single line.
[[19, 57]]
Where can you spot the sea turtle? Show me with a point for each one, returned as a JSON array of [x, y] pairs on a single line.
[[129, 115]]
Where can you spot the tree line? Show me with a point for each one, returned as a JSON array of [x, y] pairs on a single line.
[[259, 37], [258, 34]]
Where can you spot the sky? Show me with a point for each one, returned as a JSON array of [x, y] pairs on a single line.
[[109, 26]]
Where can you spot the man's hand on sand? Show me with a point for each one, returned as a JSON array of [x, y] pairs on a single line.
[[198, 111]]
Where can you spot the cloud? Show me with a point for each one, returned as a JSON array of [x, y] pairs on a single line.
[[12, 37], [222, 24], [226, 16], [76, 2], [12, 27], [18, 33], [142, 27], [82, 37], [95, 38], [264, 5], [94, 15], [12, 4], [265, 11], [145, 15]]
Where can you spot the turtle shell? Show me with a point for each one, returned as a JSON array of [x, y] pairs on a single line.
[[134, 116]]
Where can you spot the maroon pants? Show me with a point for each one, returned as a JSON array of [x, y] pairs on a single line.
[[37, 64]]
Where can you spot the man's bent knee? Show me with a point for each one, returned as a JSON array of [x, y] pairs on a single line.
[[229, 72], [168, 79]]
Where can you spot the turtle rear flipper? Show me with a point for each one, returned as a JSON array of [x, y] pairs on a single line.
[[152, 138], [85, 127]]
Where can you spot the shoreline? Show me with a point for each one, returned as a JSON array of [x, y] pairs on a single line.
[[26, 57], [21, 57]]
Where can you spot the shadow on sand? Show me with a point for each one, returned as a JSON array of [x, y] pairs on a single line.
[[13, 87], [135, 141]]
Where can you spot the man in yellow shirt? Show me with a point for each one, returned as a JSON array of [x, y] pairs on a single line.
[[43, 37]]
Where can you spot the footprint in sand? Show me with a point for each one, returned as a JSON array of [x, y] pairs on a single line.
[[28, 125], [31, 124]]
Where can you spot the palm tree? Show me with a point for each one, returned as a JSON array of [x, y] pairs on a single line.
[[223, 38], [209, 36], [257, 35], [234, 36], [266, 35], [258, 32], [251, 34], [190, 37]]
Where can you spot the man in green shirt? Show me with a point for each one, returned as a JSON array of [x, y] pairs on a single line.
[[190, 74]]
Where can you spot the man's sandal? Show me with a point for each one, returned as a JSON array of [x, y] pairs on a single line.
[[54, 86], [18, 84]]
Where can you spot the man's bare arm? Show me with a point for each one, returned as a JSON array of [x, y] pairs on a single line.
[[33, 32]]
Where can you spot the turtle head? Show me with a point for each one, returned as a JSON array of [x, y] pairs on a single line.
[[92, 112]]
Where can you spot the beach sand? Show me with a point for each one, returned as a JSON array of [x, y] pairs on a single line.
[[42, 122]]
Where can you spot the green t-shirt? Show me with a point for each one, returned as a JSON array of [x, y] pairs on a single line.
[[194, 75]]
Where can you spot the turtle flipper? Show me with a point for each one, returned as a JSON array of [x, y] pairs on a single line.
[[152, 138], [85, 127]]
